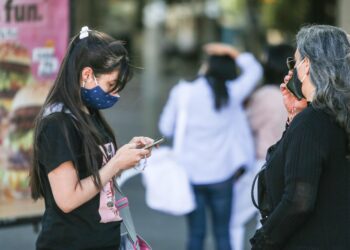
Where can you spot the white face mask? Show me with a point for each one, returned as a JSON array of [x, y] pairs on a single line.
[[296, 69]]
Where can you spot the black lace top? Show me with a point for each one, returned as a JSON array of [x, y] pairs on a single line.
[[307, 181]]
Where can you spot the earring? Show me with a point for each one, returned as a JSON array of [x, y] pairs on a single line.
[[294, 109]]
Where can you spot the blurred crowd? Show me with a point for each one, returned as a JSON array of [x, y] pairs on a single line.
[[234, 112], [222, 122]]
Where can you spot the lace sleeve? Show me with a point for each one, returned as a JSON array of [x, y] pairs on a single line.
[[302, 169]]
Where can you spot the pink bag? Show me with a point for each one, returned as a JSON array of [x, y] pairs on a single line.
[[127, 244]]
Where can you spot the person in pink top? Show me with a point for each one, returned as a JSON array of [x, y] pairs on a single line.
[[266, 113], [267, 117]]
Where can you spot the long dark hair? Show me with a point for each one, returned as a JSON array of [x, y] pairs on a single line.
[[220, 70], [104, 55]]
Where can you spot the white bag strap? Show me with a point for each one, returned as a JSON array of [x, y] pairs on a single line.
[[57, 108], [180, 127]]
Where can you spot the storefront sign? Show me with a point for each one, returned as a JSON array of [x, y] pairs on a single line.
[[33, 40]]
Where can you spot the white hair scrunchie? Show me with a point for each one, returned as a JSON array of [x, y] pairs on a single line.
[[84, 32]]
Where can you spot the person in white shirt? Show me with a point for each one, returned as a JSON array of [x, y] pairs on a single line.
[[217, 143]]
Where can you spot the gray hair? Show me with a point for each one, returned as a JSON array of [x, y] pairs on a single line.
[[328, 49]]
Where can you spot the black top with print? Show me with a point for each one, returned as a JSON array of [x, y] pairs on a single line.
[[82, 227]]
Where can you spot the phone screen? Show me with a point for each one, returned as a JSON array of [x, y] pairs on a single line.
[[156, 142]]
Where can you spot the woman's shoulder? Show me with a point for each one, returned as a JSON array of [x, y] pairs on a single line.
[[313, 117], [190, 83], [313, 121], [267, 95], [183, 86], [268, 89], [56, 121]]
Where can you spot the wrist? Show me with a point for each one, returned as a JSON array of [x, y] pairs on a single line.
[[233, 53], [115, 165]]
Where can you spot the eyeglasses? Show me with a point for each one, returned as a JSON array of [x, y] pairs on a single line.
[[290, 63]]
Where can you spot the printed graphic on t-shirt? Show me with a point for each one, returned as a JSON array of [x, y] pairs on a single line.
[[107, 208]]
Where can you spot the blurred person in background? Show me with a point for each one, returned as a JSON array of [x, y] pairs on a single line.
[[305, 183], [265, 110], [75, 153], [267, 117], [217, 146]]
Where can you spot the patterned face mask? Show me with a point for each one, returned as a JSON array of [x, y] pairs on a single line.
[[97, 98]]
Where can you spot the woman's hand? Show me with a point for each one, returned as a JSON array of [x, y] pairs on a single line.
[[63, 179], [261, 241], [141, 141], [130, 155], [292, 104], [220, 49]]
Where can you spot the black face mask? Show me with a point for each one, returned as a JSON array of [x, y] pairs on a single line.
[[294, 84]]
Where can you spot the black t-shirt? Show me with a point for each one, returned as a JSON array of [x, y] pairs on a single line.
[[93, 225]]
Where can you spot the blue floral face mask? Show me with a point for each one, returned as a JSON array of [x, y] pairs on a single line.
[[97, 98]]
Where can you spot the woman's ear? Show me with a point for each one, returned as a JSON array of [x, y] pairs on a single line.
[[86, 73], [307, 65]]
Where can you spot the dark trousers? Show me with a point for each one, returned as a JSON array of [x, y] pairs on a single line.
[[218, 198]]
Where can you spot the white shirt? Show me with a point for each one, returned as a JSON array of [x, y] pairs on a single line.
[[215, 143]]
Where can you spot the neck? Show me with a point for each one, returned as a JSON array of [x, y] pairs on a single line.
[[310, 98], [310, 93], [308, 89]]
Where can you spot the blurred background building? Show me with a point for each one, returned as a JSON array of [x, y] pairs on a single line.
[[165, 41]]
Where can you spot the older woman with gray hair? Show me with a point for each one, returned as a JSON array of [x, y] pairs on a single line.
[[304, 187]]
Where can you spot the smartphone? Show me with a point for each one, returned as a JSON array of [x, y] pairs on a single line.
[[294, 88], [156, 142]]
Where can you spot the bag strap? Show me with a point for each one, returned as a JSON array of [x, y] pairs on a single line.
[[121, 202], [56, 108], [181, 120], [268, 156], [253, 188]]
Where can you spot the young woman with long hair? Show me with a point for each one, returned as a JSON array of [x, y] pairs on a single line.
[[76, 157]]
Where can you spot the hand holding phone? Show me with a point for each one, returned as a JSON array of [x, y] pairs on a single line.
[[293, 85], [155, 143]]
